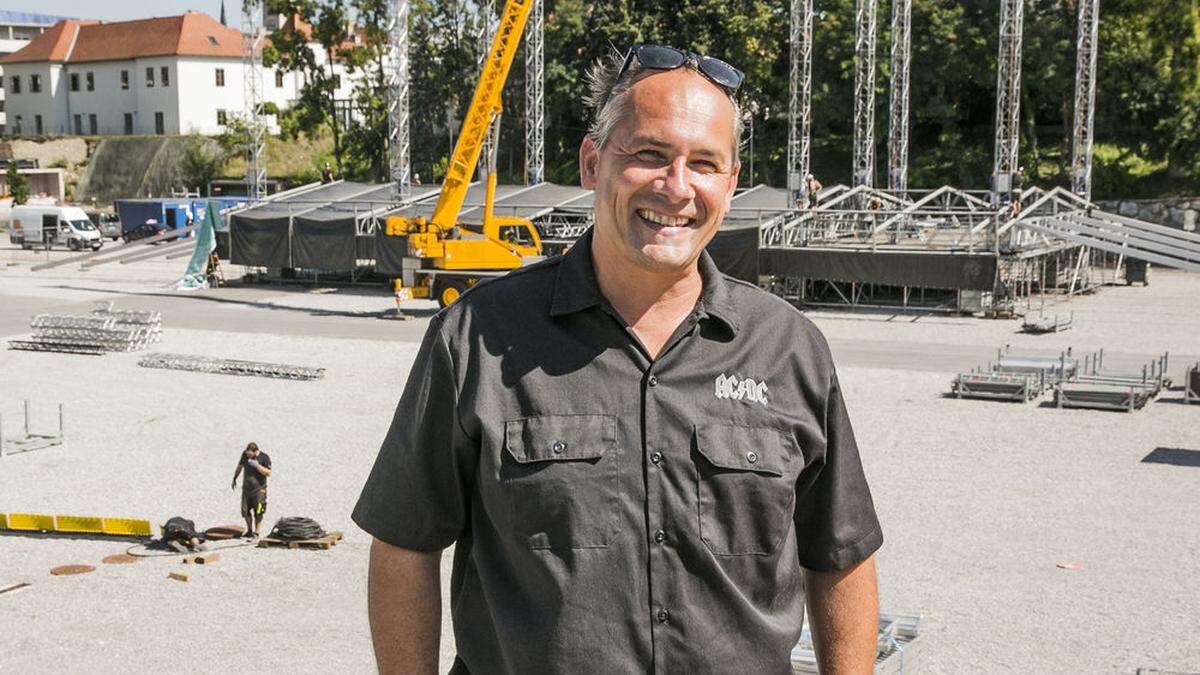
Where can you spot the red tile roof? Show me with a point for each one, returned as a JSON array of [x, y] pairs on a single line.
[[191, 34]]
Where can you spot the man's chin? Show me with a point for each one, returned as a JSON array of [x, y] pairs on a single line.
[[665, 259]]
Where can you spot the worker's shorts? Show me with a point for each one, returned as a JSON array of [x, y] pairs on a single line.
[[254, 503]]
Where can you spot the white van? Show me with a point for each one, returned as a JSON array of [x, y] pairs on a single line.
[[47, 226]]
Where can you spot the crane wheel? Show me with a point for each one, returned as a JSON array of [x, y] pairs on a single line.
[[447, 291]]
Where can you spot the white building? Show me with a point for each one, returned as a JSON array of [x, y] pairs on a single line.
[[167, 75], [16, 31]]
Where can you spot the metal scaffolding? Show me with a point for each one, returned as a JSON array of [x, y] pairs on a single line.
[[1008, 96], [535, 108], [487, 34], [898, 110], [399, 145], [253, 34], [863, 172], [1085, 98], [799, 100]]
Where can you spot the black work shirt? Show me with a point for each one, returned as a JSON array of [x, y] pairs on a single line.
[[614, 513], [253, 479]]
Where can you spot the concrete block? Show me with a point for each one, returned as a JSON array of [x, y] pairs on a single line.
[[180, 576], [202, 558]]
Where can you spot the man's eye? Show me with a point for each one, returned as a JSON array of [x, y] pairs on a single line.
[[704, 166], [649, 156]]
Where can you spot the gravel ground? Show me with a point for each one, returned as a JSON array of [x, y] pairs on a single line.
[[980, 501]]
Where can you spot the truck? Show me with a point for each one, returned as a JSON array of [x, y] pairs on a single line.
[[49, 226], [445, 256]]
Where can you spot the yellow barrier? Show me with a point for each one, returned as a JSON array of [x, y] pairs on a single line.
[[30, 522], [3, 521], [128, 527], [80, 524]]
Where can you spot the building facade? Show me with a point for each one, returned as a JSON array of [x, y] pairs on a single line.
[[168, 75], [17, 29]]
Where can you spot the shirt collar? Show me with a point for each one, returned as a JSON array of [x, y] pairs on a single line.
[[576, 287]]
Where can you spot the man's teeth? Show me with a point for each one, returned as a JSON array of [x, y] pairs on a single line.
[[660, 219]]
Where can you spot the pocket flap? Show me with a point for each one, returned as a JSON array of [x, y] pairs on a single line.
[[758, 449], [559, 437]]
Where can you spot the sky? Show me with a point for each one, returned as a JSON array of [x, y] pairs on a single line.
[[120, 10]]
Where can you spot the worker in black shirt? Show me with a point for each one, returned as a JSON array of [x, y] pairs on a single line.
[[257, 466]]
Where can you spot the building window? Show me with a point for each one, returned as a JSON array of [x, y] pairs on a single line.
[[35, 84], [279, 78], [220, 77], [91, 81], [74, 81], [222, 117], [78, 125], [124, 79], [93, 126], [166, 76], [159, 126], [17, 129], [16, 84], [37, 124], [128, 124], [149, 77]]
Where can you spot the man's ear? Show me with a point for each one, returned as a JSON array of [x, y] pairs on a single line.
[[589, 157]]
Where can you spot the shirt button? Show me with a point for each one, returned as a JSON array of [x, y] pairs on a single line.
[[656, 457], [558, 447], [653, 381], [660, 536], [752, 457], [663, 616]]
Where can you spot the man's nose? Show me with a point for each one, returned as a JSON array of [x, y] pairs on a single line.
[[676, 184]]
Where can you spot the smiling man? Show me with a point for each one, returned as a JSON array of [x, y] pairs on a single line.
[[644, 465]]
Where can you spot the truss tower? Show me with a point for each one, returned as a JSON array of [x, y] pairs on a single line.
[[253, 33], [898, 110], [535, 102], [864, 93], [800, 38], [1008, 96], [396, 63], [1085, 98]]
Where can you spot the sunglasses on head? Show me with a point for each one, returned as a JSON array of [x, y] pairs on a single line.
[[659, 57]]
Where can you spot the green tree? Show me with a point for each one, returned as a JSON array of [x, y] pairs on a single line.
[[18, 185], [203, 160], [325, 23]]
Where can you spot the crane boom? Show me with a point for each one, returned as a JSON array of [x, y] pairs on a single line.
[[485, 106]]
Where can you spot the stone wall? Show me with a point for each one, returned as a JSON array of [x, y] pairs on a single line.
[[1179, 212]]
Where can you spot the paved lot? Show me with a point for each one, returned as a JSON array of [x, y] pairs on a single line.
[[980, 501]]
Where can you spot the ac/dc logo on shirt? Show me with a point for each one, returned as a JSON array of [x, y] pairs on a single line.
[[729, 386]]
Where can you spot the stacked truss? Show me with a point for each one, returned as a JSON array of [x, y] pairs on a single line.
[[535, 108], [864, 93], [898, 110], [1085, 98], [104, 330], [399, 144], [799, 100], [205, 364], [253, 34], [1008, 95]]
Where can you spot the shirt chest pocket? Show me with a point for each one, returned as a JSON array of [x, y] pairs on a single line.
[[746, 487], [559, 473]]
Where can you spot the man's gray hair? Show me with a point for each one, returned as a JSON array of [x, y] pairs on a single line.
[[608, 98]]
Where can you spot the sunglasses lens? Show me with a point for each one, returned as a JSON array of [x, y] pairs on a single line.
[[722, 73], [661, 58]]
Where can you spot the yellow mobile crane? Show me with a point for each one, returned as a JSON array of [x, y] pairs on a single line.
[[445, 257]]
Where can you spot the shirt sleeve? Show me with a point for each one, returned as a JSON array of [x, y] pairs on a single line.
[[264, 460], [418, 493], [836, 525]]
